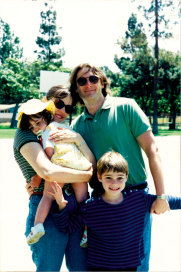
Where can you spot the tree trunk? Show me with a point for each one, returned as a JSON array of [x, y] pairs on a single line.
[[155, 99], [13, 120], [173, 119]]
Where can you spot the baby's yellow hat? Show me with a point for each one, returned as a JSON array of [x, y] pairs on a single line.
[[34, 106]]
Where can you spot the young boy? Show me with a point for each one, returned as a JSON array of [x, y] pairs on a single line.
[[115, 220]]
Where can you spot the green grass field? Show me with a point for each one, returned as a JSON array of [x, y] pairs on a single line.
[[8, 133]]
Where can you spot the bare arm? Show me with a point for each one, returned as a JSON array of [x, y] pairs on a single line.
[[148, 144], [58, 195], [36, 157], [49, 151], [70, 136]]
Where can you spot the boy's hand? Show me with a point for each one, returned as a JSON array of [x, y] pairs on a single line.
[[160, 206], [58, 195], [35, 181]]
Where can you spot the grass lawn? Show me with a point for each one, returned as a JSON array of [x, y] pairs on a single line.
[[8, 133], [167, 132]]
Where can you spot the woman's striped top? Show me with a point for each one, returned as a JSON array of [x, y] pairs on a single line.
[[23, 137]]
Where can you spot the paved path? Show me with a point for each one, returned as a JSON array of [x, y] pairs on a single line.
[[14, 252]]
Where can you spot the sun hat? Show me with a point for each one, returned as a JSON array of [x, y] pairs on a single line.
[[34, 106]]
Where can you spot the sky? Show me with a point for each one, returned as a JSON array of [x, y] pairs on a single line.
[[89, 28]]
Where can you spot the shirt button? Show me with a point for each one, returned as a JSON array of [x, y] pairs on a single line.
[[95, 120]]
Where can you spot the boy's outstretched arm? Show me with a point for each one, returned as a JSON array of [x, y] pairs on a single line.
[[63, 218], [174, 202], [58, 195]]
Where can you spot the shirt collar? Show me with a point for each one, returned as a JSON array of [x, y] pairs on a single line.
[[106, 105]]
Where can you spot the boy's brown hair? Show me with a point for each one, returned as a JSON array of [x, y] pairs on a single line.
[[112, 161]]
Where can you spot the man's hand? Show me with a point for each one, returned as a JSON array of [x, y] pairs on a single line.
[[58, 195], [160, 206]]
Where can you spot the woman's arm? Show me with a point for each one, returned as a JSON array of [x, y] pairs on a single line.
[[70, 136], [36, 157]]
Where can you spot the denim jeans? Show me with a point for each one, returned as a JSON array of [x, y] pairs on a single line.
[[144, 266], [48, 252]]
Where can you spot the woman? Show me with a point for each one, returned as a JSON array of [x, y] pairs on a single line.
[[48, 253]]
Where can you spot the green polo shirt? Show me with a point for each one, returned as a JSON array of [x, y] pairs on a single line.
[[116, 126]]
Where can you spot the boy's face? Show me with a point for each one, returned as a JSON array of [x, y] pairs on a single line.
[[37, 124], [113, 182]]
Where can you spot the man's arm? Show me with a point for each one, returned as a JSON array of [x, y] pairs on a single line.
[[148, 144], [36, 157]]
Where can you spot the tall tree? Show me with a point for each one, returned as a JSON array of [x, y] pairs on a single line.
[[169, 74], [136, 78], [155, 13], [155, 99], [9, 44], [49, 40], [135, 37]]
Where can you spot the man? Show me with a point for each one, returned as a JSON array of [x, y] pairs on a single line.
[[112, 123]]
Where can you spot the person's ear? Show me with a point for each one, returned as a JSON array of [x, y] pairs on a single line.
[[99, 177]]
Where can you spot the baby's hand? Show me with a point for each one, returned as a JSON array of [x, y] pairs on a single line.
[[58, 195], [35, 181]]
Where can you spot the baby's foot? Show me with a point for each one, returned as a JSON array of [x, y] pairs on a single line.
[[36, 233]]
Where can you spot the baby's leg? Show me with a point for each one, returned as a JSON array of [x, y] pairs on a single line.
[[43, 209], [81, 190], [45, 204]]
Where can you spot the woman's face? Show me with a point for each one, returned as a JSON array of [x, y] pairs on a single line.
[[61, 114]]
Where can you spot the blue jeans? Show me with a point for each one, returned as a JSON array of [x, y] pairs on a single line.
[[144, 266], [48, 252]]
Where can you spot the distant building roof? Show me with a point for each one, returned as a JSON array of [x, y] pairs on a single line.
[[6, 106]]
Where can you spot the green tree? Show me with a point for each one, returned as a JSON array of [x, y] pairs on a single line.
[[136, 77], [49, 40], [155, 14], [169, 83], [9, 44], [135, 37], [15, 84], [36, 66]]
